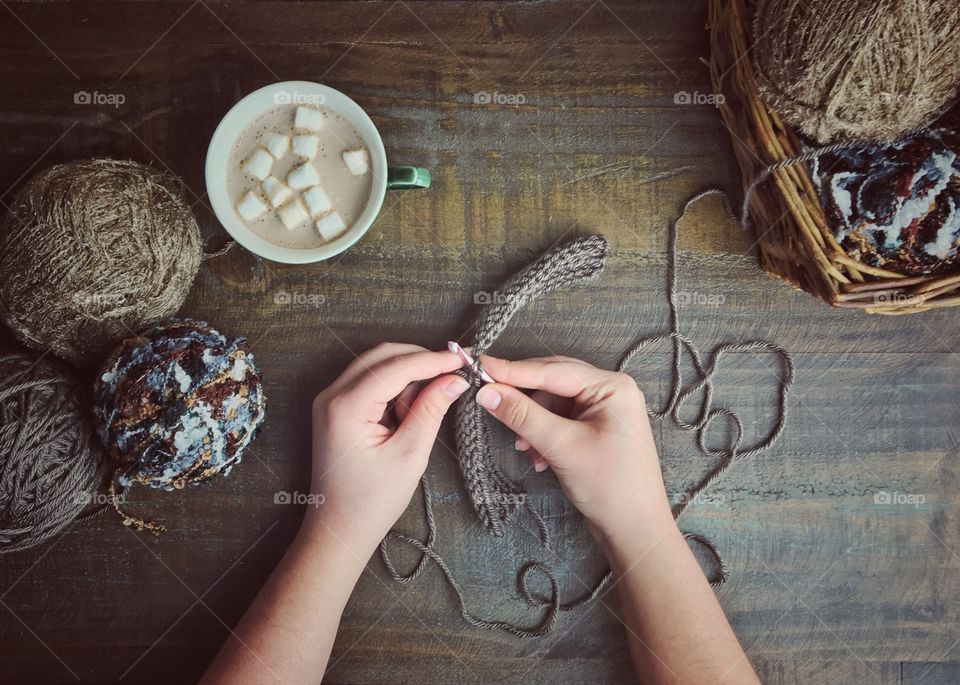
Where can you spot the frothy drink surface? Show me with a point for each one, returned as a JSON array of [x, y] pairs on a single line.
[[348, 193]]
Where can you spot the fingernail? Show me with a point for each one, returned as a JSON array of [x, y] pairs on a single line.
[[540, 465], [488, 398], [521, 445], [455, 388]]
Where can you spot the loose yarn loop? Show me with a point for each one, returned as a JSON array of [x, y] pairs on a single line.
[[51, 464], [704, 382], [496, 498]]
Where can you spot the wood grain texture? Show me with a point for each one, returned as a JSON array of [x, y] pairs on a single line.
[[828, 586]]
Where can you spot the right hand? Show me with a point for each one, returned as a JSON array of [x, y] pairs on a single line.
[[591, 427]]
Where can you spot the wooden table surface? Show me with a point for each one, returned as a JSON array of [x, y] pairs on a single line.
[[827, 585]]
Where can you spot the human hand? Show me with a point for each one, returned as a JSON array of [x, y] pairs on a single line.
[[591, 427], [373, 430]]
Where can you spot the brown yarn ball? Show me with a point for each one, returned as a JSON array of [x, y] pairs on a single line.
[[92, 250], [52, 466], [857, 70]]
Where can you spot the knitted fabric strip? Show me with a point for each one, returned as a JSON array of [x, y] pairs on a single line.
[[494, 496]]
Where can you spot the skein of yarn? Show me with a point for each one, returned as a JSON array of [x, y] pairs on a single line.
[[51, 465], [175, 406], [91, 250], [863, 70]]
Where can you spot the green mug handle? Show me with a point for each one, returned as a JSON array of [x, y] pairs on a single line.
[[407, 177]]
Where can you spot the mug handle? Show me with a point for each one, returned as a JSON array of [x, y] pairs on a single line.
[[407, 177]]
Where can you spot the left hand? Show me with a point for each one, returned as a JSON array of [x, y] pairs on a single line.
[[373, 431]]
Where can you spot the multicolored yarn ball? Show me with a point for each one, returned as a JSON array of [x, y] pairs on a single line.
[[896, 207], [857, 70], [176, 406], [91, 250], [52, 466]]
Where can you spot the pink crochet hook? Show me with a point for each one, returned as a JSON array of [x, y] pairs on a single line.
[[469, 361]]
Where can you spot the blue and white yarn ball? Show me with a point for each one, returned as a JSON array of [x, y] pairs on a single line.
[[178, 404], [896, 207]]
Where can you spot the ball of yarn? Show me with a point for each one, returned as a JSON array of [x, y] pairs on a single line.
[[92, 250], [51, 464], [896, 206], [866, 70], [177, 405]]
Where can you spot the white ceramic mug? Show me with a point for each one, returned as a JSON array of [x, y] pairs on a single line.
[[301, 92]]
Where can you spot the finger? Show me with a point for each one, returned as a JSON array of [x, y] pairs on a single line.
[[367, 360], [405, 400], [540, 427], [564, 378], [560, 406], [536, 459], [418, 430], [373, 389]]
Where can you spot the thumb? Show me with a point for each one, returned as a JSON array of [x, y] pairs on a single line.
[[537, 425], [420, 426]]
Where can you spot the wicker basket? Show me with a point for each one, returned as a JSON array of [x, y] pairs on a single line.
[[795, 243]]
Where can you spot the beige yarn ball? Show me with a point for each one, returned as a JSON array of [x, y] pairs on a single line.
[[857, 70], [92, 250]]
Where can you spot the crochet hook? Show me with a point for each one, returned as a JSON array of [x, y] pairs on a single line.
[[469, 361]]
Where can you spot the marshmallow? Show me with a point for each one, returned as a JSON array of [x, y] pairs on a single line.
[[306, 146], [309, 119], [250, 207], [277, 144], [276, 191], [317, 200], [303, 176], [293, 214], [357, 161], [330, 226], [259, 164]]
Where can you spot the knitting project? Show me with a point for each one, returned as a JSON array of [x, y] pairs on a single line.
[[496, 498]]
